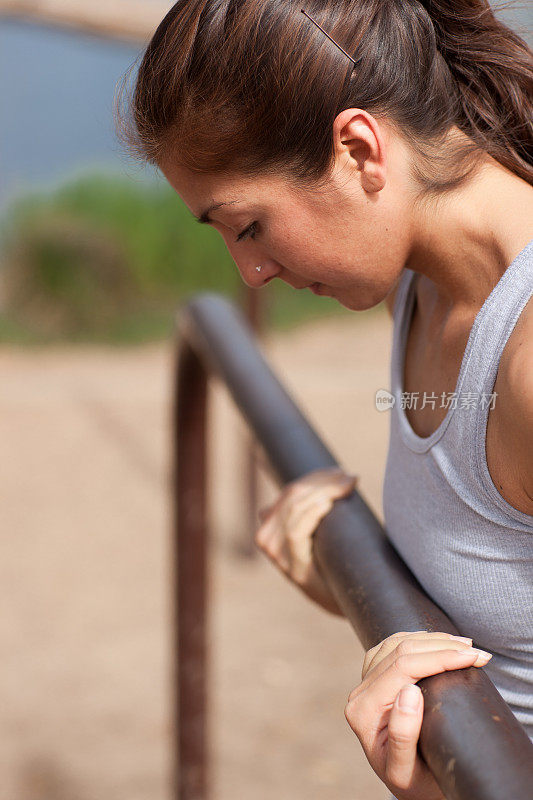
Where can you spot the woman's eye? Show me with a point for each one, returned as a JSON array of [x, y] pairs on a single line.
[[250, 231]]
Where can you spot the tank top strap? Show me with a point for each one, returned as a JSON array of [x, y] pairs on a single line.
[[497, 320], [400, 299], [401, 316]]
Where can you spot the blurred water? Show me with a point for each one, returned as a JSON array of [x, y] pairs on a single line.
[[56, 101], [56, 97]]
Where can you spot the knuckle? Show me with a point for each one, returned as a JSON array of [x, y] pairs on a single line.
[[401, 663], [395, 637], [353, 716], [400, 738], [269, 550], [371, 650], [358, 716], [353, 695], [260, 536], [359, 703], [405, 647]]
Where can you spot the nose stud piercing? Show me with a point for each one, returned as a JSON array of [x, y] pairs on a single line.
[[259, 269]]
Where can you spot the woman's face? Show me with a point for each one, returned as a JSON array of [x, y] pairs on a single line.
[[352, 238]]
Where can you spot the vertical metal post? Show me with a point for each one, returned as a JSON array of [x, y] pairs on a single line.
[[190, 779], [253, 309]]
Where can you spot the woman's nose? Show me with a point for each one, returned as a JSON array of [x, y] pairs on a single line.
[[257, 273]]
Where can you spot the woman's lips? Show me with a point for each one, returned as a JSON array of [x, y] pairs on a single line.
[[315, 288]]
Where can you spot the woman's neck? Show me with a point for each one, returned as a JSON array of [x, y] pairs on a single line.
[[465, 240]]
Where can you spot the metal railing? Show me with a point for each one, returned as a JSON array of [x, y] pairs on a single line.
[[470, 739]]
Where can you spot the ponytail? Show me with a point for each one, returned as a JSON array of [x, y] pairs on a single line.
[[493, 69]]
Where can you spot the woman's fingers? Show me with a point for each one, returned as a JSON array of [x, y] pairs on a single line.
[[292, 551], [410, 643], [327, 479], [299, 540], [409, 668], [287, 527], [388, 726], [292, 513], [419, 646], [308, 491], [403, 731]]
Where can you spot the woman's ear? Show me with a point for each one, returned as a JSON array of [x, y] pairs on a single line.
[[360, 144]]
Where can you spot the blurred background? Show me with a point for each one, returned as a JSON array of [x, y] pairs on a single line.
[[96, 255]]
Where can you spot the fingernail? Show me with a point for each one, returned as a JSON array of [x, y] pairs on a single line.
[[463, 639], [409, 699], [481, 654]]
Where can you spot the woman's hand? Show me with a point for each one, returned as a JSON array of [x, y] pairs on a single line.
[[385, 711], [287, 528]]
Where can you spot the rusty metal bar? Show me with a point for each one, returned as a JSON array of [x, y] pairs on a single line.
[[253, 310], [470, 739], [190, 759]]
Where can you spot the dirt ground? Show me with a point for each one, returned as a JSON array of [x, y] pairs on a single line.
[[84, 579]]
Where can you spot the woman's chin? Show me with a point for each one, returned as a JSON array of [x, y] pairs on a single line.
[[349, 301], [358, 303]]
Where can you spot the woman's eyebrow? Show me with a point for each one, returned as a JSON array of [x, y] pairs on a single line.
[[204, 218]]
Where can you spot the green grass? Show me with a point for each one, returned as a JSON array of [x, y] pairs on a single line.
[[107, 260]]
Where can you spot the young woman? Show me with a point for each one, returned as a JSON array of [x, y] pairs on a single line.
[[391, 162]]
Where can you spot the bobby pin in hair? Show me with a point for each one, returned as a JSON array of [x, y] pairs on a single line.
[[355, 61]]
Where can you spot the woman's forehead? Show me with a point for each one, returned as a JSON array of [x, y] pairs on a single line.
[[202, 192]]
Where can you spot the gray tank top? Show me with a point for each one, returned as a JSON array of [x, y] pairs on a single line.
[[468, 547]]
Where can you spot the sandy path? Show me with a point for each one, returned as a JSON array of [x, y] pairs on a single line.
[[84, 579]]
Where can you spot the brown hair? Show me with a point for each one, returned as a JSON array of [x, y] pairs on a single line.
[[254, 87]]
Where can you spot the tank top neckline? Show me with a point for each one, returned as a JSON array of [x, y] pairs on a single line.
[[422, 444]]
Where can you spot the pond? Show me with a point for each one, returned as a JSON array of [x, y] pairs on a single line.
[[56, 97]]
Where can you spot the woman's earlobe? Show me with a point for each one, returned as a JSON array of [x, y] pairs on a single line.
[[373, 178]]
